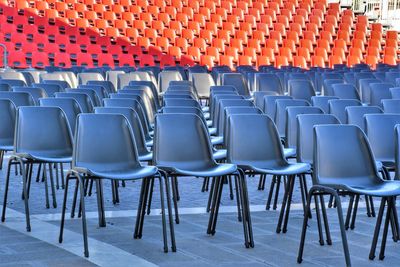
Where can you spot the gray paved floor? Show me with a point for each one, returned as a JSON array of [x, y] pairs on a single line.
[[114, 245]]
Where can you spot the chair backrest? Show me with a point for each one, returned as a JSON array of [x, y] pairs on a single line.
[[134, 120], [85, 77], [214, 103], [262, 147], [364, 88], [104, 142], [70, 107], [90, 93], [305, 136], [345, 91], [379, 91], [269, 104], [7, 125], [268, 82], [355, 114], [181, 141], [391, 106], [185, 110], [108, 85], [395, 91], [301, 89], [291, 122], [18, 98], [64, 85], [12, 82], [100, 90], [83, 100], [50, 89], [380, 131], [280, 115], [165, 77], [327, 88], [202, 82], [146, 97], [112, 76], [228, 103], [237, 80], [4, 87], [259, 98], [181, 103], [42, 130], [342, 156], [322, 102], [152, 86], [337, 107]]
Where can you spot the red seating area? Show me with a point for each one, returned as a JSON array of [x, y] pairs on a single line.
[[301, 33]]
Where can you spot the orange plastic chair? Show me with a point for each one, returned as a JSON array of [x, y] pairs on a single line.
[[309, 35], [322, 43], [391, 43], [132, 34], [372, 61], [281, 61], [317, 61], [374, 43], [167, 60], [175, 51], [206, 35], [170, 34], [175, 25], [329, 28], [254, 43], [237, 43], [390, 51], [340, 43], [300, 62], [226, 61], [182, 18], [219, 43], [200, 43], [391, 35], [263, 61], [163, 43], [289, 44], [286, 52], [319, 51], [214, 52], [207, 61], [143, 42], [344, 35], [299, 19], [276, 35], [373, 51], [212, 26], [250, 52], [146, 60], [378, 27], [194, 52], [274, 44], [353, 60], [333, 60], [306, 43], [267, 19], [355, 51], [390, 60], [269, 53], [245, 61], [339, 52], [304, 52], [182, 43]]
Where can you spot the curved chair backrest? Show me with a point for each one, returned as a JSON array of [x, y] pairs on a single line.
[[391, 106], [134, 120], [181, 83], [84, 77], [301, 89], [355, 114], [185, 110], [237, 80], [145, 93], [83, 100], [112, 76], [181, 103], [345, 91], [259, 98], [11, 82], [380, 132], [104, 142], [89, 92], [4, 87], [135, 105], [335, 163], [395, 91], [12, 75], [214, 103], [70, 107], [100, 90], [327, 88], [337, 107], [280, 115], [18, 98], [42, 130], [7, 125], [108, 85], [322, 102], [379, 91], [361, 76], [268, 82], [35, 92], [64, 85], [397, 151], [49, 88], [147, 110], [202, 82], [269, 104], [291, 122], [181, 141], [262, 142], [151, 85], [305, 136], [216, 88], [229, 103], [165, 77], [391, 76], [365, 90], [349, 78]]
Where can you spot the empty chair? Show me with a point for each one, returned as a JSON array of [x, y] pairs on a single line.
[[13, 75], [165, 77], [84, 77], [262, 153], [94, 97], [96, 155], [108, 85], [301, 89], [7, 126], [83, 100], [291, 122], [322, 102], [355, 114], [18, 98], [327, 88], [337, 107], [380, 131], [391, 76], [259, 98], [202, 82], [70, 107], [50, 89], [336, 167], [182, 148], [268, 82], [35, 92], [4, 87], [391, 106], [214, 105], [63, 84], [11, 82], [269, 104], [153, 88], [379, 91], [395, 92], [345, 91], [280, 115], [34, 145], [236, 80], [365, 89]]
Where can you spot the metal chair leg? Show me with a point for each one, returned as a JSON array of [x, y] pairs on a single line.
[[63, 209], [53, 190], [150, 196], [164, 222], [353, 219], [349, 212], [283, 207], [325, 217], [386, 228], [46, 186], [210, 195], [171, 220], [320, 234], [84, 226], [284, 229], [238, 200], [175, 199], [271, 191], [140, 208], [74, 199], [3, 214], [377, 229], [278, 185]]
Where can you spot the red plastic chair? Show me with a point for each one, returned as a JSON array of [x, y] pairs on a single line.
[[125, 60], [62, 60], [105, 60], [187, 60], [146, 60], [39, 60], [167, 60], [84, 59]]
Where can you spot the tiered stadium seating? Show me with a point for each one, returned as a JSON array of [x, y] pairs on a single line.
[[303, 33]]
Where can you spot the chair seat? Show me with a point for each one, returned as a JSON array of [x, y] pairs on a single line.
[[212, 131], [219, 154], [217, 140], [289, 169], [289, 152], [216, 170], [366, 186], [47, 156], [146, 157], [131, 174]]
